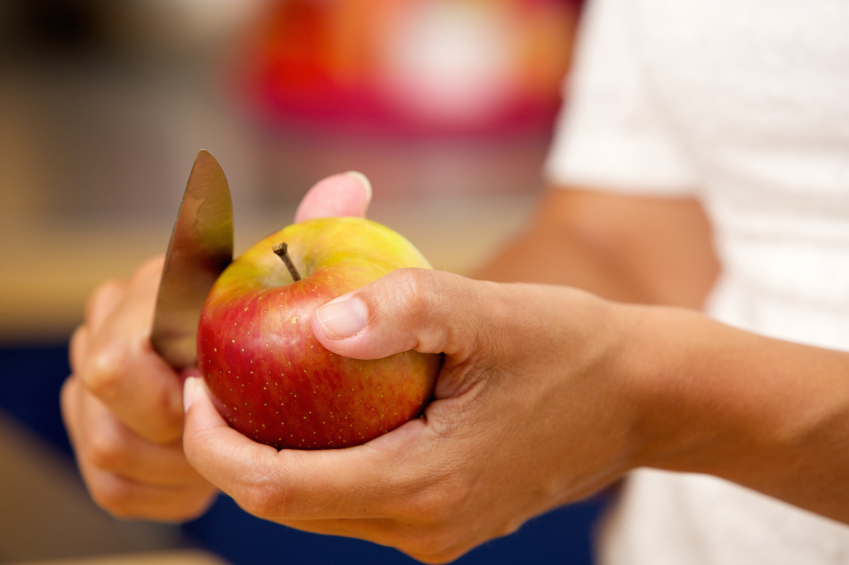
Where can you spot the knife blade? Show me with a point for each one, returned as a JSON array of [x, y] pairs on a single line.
[[201, 247]]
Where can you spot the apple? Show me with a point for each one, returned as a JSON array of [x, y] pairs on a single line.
[[269, 376]]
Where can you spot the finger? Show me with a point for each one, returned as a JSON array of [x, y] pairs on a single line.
[[104, 442], [291, 484], [305, 490], [429, 311], [78, 348], [128, 499], [142, 390], [103, 302], [124, 372], [123, 495], [69, 403], [348, 194], [111, 446]]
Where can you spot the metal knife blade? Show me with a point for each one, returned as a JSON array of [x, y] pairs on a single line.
[[201, 247]]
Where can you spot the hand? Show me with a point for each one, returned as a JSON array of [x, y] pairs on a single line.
[[123, 405], [526, 417]]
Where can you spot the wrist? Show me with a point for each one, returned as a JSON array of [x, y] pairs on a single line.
[[714, 399], [663, 357]]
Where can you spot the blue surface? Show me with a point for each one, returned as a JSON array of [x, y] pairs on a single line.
[[29, 391], [30, 381]]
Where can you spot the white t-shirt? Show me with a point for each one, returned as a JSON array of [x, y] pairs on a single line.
[[743, 104]]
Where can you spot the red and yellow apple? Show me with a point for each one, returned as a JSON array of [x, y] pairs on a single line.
[[269, 376]]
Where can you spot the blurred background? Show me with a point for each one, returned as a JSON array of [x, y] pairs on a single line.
[[446, 105]]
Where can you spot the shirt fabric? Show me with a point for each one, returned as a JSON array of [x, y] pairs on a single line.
[[743, 104]]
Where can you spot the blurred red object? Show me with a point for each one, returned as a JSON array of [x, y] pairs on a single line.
[[418, 67]]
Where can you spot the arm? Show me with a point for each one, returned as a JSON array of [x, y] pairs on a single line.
[[621, 247], [772, 404], [547, 394], [767, 414], [659, 251]]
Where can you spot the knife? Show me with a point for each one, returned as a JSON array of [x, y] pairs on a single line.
[[201, 247]]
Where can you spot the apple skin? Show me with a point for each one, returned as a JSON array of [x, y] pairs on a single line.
[[268, 375]]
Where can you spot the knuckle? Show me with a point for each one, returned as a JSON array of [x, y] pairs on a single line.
[[434, 501], [163, 421], [106, 448], [165, 433], [435, 529], [101, 375], [114, 495], [410, 293], [198, 444], [102, 296], [264, 499], [418, 288], [430, 302], [509, 528], [436, 507], [431, 547]]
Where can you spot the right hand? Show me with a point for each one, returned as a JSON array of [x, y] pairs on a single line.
[[122, 407], [122, 404]]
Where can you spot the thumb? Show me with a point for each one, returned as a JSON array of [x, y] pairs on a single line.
[[428, 311], [348, 194]]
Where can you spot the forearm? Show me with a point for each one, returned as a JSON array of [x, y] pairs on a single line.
[[550, 256], [621, 247], [768, 414]]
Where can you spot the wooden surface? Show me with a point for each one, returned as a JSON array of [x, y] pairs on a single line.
[[150, 558], [46, 513]]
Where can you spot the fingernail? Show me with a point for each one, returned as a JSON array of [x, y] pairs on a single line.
[[363, 180], [342, 319], [189, 392]]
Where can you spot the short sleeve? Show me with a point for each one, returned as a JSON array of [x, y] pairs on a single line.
[[610, 134]]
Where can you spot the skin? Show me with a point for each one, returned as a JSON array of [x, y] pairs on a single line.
[[547, 393], [620, 247]]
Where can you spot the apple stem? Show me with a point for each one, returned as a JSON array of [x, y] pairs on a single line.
[[282, 251]]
